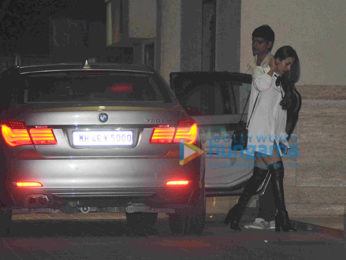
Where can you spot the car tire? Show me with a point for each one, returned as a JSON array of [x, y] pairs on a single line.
[[190, 220], [5, 221], [141, 220]]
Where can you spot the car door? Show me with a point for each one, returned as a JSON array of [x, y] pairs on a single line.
[[216, 100]]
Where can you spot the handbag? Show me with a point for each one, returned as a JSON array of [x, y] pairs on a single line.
[[240, 133], [239, 137]]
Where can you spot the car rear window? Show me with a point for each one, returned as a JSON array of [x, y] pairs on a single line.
[[93, 86]]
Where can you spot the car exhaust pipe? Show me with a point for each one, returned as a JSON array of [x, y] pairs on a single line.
[[38, 200]]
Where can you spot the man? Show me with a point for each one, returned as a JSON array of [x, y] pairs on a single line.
[[262, 43]]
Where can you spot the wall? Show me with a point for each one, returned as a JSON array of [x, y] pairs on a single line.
[[181, 46], [142, 18], [315, 28], [170, 37], [191, 35], [73, 40], [227, 35], [317, 185]]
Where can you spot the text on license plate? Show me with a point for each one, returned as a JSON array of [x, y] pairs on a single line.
[[102, 138]]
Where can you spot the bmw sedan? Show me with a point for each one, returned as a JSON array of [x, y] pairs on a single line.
[[98, 136]]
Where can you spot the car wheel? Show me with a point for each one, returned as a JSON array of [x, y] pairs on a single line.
[[190, 220], [141, 220], [5, 221]]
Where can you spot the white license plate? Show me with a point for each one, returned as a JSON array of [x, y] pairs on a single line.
[[102, 138]]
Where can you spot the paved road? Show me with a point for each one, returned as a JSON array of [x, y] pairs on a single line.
[[107, 238]]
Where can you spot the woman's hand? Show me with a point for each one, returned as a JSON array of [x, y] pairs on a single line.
[[272, 65]]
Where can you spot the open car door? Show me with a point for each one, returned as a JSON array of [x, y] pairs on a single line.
[[216, 101]]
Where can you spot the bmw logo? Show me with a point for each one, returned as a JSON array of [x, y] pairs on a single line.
[[103, 117]]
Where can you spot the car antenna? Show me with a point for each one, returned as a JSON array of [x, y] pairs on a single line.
[[86, 64]]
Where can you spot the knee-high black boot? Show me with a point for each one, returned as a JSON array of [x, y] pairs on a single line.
[[277, 176], [234, 215]]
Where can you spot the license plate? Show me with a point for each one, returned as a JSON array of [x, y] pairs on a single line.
[[102, 138]]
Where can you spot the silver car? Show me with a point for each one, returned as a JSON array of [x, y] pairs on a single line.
[[107, 137]]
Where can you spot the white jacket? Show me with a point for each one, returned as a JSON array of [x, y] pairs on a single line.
[[266, 118]]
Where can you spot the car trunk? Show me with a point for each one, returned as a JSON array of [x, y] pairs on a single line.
[[72, 126]]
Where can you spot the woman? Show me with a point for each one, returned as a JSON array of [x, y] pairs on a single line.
[[272, 95]]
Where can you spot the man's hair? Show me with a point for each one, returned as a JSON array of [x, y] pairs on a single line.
[[265, 32]]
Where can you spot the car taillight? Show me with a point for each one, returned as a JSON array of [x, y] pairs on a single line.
[[186, 131], [15, 133], [42, 136], [21, 184], [178, 183], [15, 137], [162, 135]]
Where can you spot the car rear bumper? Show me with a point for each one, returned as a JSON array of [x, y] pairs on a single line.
[[155, 198], [103, 182]]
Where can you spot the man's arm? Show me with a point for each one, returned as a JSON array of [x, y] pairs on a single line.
[[264, 77], [261, 78]]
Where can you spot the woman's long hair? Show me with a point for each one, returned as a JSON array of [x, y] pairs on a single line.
[[288, 79], [285, 52]]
